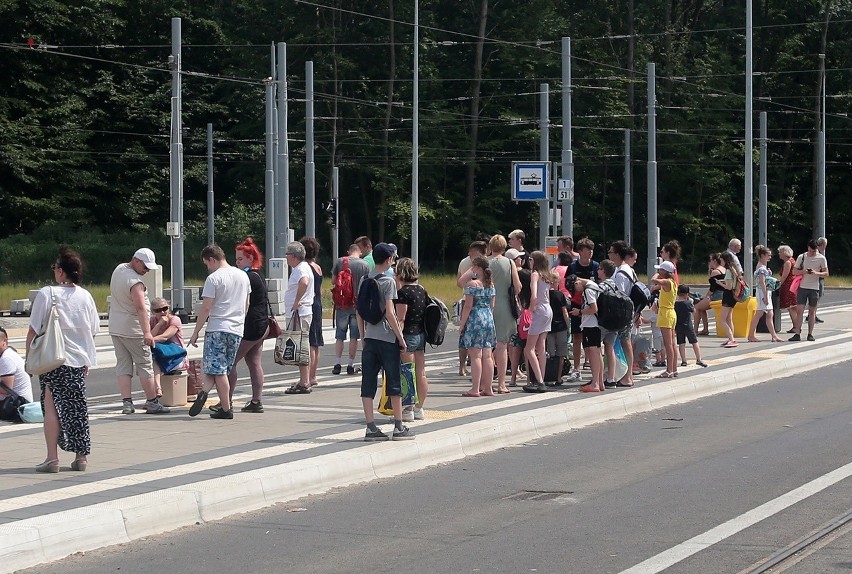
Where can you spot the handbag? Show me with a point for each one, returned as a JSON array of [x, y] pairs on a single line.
[[31, 413], [169, 356], [741, 290], [10, 404], [524, 324], [194, 378], [47, 350], [292, 346], [274, 329]]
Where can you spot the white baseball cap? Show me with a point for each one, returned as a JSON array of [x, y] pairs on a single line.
[[146, 256], [667, 266]]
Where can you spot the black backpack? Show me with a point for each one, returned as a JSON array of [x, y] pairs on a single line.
[[639, 293], [436, 317], [369, 304], [615, 309]]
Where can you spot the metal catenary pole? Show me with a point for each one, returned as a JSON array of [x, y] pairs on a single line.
[[628, 191], [270, 247], [748, 201], [335, 194], [282, 198], [176, 170], [310, 168], [211, 210], [415, 142], [653, 230], [544, 205], [762, 211], [567, 152], [269, 175], [820, 203]]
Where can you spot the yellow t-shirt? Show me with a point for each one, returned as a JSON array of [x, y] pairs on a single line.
[[666, 316]]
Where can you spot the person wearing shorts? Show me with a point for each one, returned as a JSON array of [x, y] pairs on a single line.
[[225, 303], [130, 329], [812, 266], [589, 324], [345, 319], [557, 338]]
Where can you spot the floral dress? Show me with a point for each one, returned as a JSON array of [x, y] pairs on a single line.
[[479, 332]]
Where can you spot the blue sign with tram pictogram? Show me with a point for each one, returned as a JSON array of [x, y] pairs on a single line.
[[530, 180]]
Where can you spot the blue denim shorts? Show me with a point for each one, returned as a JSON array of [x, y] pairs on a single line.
[[415, 343], [220, 350]]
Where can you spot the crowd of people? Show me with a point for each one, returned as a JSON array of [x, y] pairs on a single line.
[[519, 312]]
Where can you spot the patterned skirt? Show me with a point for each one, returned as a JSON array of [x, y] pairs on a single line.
[[67, 385]]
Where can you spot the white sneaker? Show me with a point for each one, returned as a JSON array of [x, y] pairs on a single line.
[[419, 415], [570, 378], [407, 415]]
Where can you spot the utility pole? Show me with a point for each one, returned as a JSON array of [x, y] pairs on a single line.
[[269, 178], [310, 169], [175, 227], [653, 230], [628, 189], [211, 227], [820, 203], [415, 142], [335, 202], [544, 205], [762, 211], [748, 203], [567, 152], [282, 198]]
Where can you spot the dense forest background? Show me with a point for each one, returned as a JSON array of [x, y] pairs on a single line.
[[84, 118]]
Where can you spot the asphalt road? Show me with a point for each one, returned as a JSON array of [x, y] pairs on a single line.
[[600, 499]]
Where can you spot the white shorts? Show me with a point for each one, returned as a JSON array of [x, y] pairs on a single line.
[[761, 306]]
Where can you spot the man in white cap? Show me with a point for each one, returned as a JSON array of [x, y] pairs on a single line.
[[130, 330]]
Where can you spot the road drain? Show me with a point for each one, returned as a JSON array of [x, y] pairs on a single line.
[[538, 495]]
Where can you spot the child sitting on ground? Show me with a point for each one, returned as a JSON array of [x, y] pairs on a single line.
[[684, 309]]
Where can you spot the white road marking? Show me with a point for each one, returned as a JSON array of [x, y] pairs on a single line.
[[727, 529]]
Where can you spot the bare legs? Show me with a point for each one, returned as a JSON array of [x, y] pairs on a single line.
[[251, 351], [51, 426], [501, 357], [699, 317], [535, 356], [149, 385], [727, 318]]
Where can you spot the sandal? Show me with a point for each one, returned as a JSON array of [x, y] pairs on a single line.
[[298, 389], [666, 375], [471, 395]]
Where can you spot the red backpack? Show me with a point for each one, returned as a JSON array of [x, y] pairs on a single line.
[[342, 292]]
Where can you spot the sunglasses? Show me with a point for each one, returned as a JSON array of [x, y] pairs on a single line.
[[160, 310]]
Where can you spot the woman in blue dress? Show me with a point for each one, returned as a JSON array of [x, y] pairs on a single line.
[[478, 335]]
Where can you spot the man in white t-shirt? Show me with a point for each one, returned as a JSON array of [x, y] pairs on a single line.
[[812, 266], [130, 330], [12, 373], [299, 299], [225, 299]]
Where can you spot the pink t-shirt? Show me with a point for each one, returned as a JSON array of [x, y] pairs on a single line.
[[173, 322], [561, 270]]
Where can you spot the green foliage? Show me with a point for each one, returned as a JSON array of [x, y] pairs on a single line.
[[84, 118]]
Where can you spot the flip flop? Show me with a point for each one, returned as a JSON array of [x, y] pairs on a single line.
[[505, 392], [620, 384], [588, 389], [665, 375], [471, 395], [730, 345]]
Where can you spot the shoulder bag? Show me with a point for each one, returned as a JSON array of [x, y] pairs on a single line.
[[10, 404], [274, 328], [292, 346], [47, 350]]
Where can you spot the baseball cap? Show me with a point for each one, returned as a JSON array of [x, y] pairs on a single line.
[[146, 256], [667, 266], [512, 253], [382, 252]]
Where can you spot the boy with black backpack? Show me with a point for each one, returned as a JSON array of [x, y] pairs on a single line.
[[606, 271], [383, 341]]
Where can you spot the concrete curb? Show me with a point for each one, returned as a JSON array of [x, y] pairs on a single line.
[[33, 541]]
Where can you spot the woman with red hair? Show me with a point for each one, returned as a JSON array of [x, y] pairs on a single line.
[[250, 259]]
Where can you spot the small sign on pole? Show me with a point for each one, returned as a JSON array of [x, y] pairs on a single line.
[[565, 191], [530, 180]]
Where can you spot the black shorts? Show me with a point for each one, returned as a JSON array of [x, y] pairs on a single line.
[[728, 299], [684, 334], [575, 325], [591, 337]]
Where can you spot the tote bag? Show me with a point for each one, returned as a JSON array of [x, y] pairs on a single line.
[[169, 356], [47, 351], [292, 346]]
